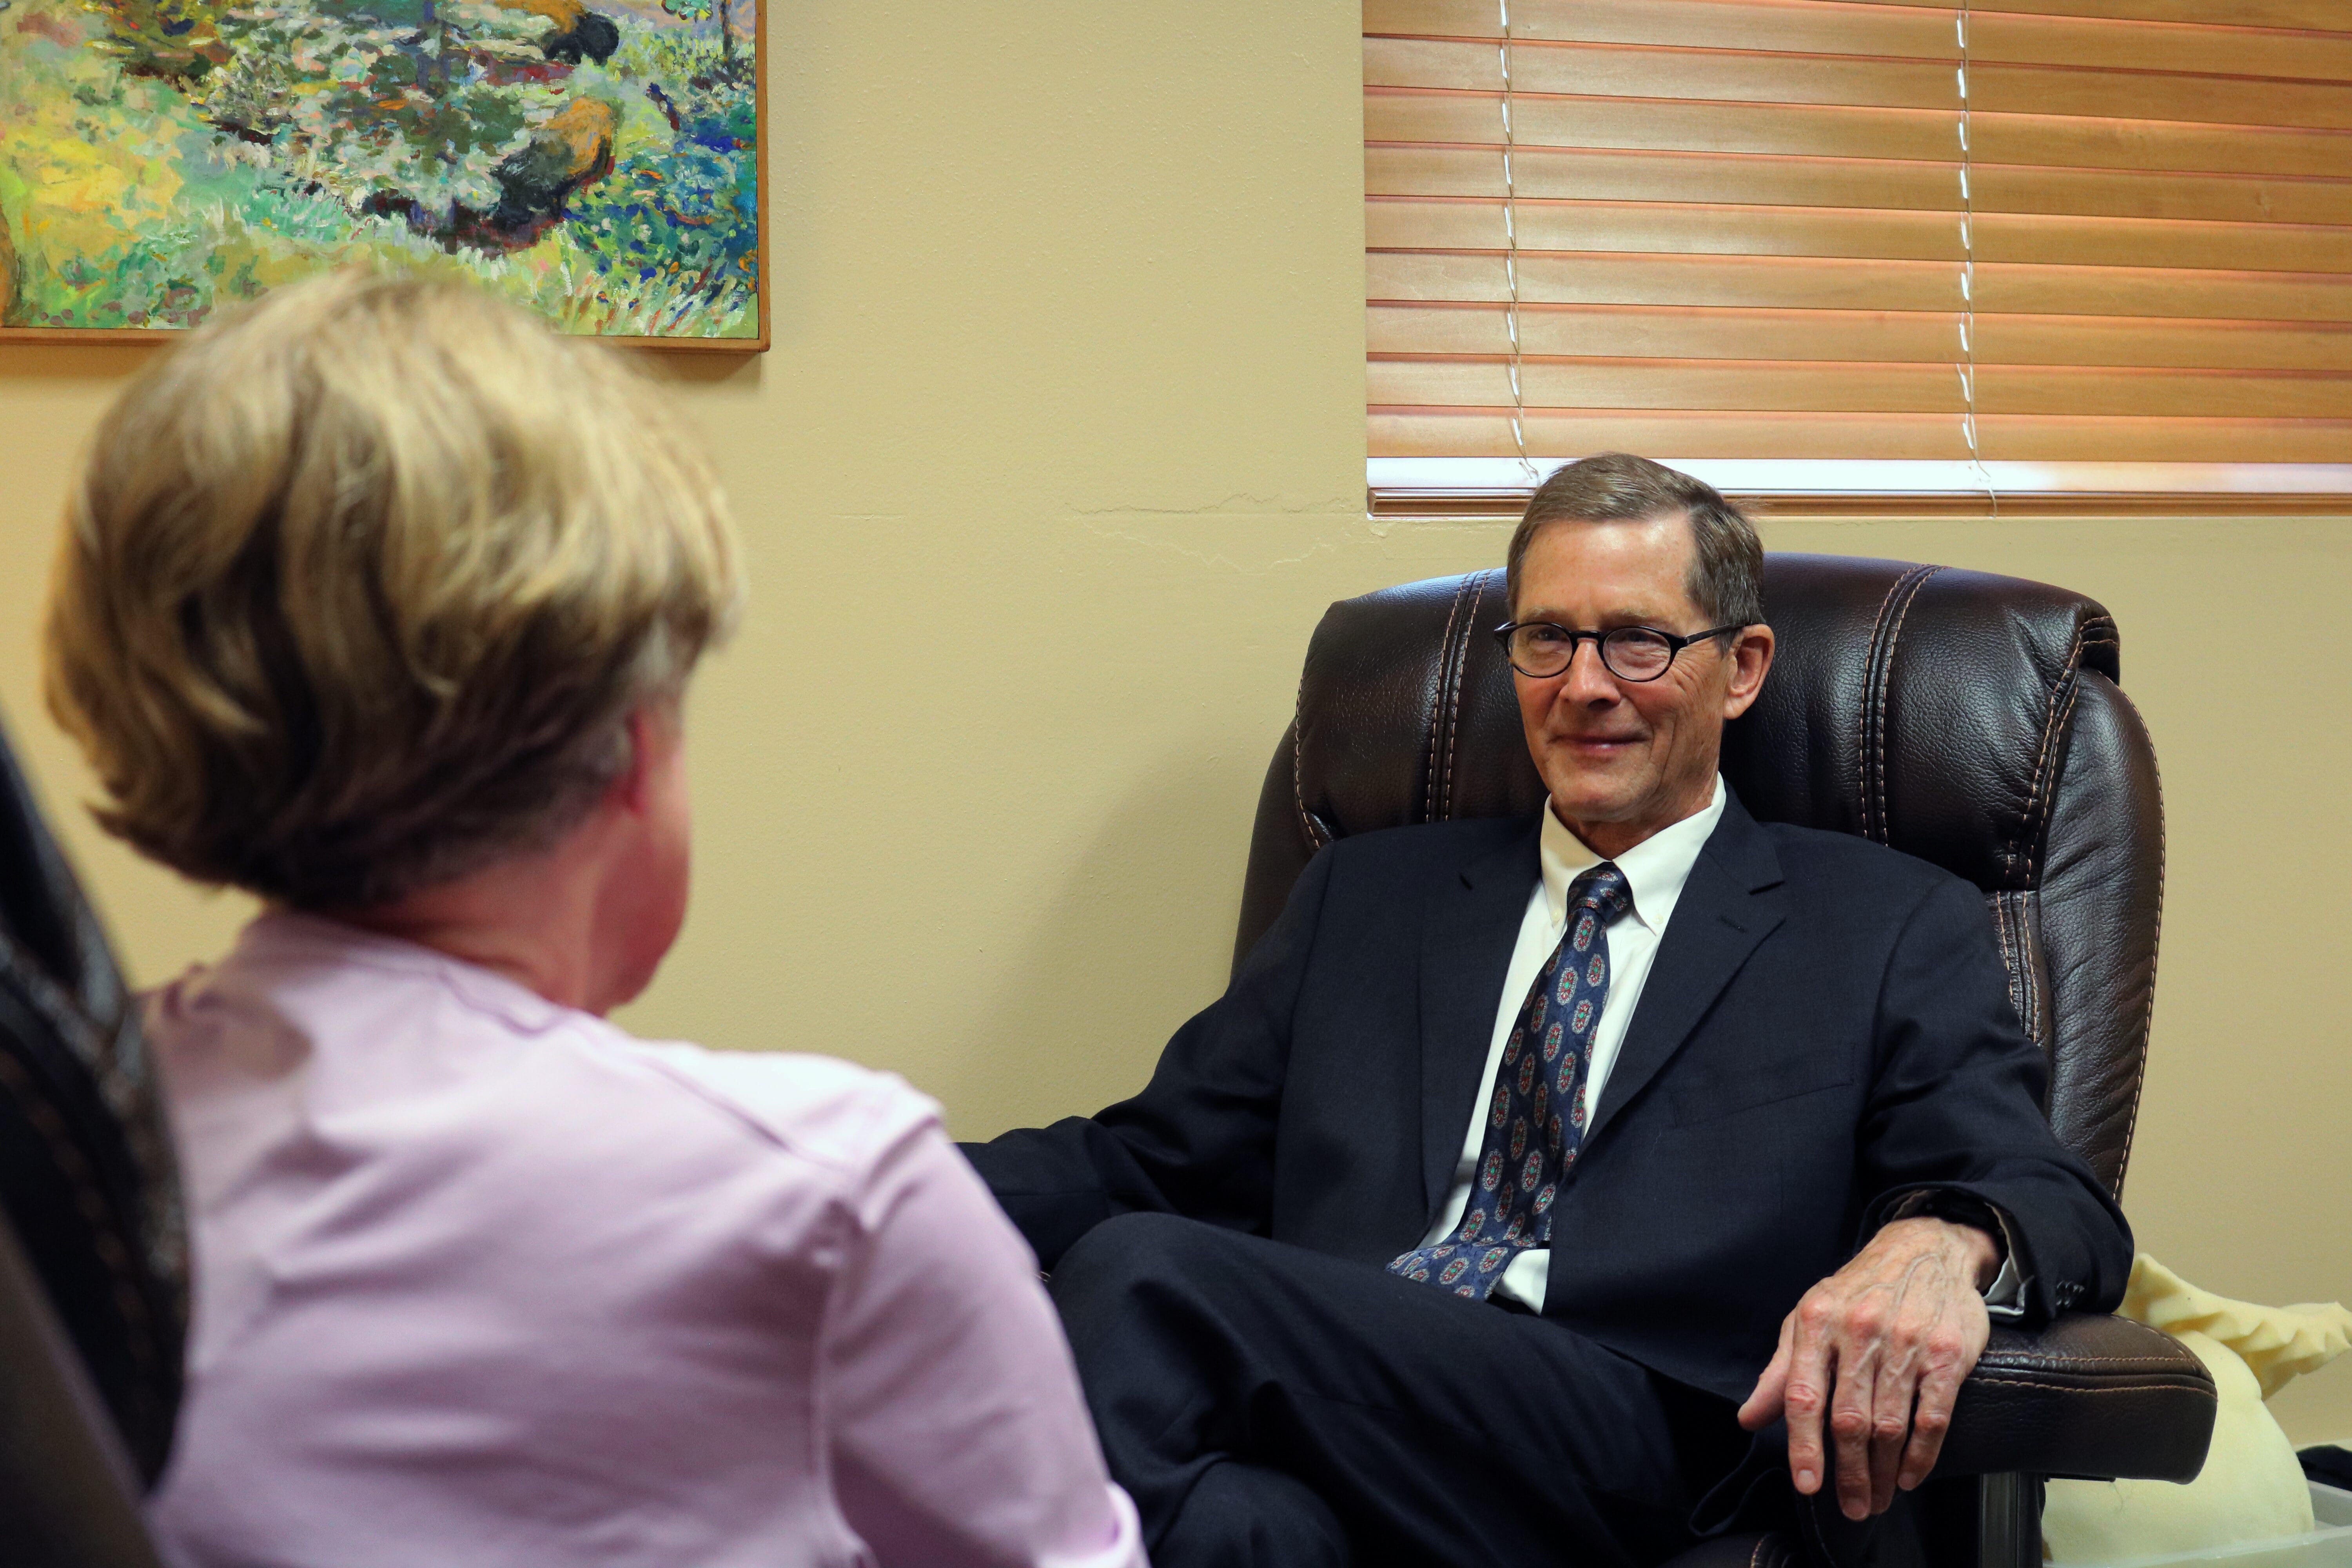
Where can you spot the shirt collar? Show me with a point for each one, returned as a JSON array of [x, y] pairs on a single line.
[[289, 937], [1655, 869]]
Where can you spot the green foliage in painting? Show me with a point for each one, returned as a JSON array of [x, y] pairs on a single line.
[[179, 39], [381, 104], [596, 161]]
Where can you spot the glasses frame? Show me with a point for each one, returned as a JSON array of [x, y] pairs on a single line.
[[1674, 642]]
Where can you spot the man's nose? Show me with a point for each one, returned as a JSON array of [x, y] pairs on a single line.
[[1587, 677]]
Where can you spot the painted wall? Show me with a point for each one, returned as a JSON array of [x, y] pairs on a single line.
[[1055, 463]]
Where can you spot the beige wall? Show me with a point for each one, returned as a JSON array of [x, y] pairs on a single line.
[[1058, 459]]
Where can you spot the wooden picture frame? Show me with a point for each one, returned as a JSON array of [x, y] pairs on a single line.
[[162, 158]]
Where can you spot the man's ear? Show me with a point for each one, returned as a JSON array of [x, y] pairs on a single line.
[[1750, 656]]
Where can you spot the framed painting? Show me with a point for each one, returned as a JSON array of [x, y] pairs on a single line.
[[602, 163]]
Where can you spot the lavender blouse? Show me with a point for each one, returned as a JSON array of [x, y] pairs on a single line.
[[483, 1281]]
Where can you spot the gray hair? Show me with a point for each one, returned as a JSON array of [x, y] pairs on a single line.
[[1726, 573]]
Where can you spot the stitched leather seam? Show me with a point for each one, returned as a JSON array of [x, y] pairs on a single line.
[[2036, 960], [2028, 1359], [2023, 977], [1869, 679], [2043, 840], [2008, 958], [1887, 685], [1308, 825], [2025, 946], [2142, 1390], [1461, 683], [2062, 692], [2037, 841], [2013, 913], [2059, 1364], [1437, 706], [2154, 951]]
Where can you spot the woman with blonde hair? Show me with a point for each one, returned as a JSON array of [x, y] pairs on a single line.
[[380, 601]]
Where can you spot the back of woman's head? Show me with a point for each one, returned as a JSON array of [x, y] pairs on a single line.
[[360, 585]]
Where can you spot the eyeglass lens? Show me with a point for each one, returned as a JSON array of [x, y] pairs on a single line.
[[1631, 653]]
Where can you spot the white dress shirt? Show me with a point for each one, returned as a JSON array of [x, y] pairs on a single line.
[[1655, 871]]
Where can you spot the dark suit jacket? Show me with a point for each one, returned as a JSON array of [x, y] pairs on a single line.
[[1826, 1027]]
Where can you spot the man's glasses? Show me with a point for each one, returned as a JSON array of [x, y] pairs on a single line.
[[1539, 650]]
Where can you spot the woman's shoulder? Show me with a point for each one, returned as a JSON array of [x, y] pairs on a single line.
[[831, 1112]]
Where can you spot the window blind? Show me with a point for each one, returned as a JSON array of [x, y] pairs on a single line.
[[2007, 247]]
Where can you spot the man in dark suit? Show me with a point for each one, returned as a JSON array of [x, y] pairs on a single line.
[[1528, 1167]]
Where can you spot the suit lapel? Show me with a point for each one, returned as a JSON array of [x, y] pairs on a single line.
[[1727, 907], [1471, 927]]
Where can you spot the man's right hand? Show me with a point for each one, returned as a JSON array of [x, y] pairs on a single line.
[[1876, 1353]]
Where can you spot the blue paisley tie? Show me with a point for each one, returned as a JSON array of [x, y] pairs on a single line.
[[1535, 1123]]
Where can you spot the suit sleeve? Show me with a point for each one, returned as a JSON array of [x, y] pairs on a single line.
[[1955, 1105], [1199, 1140]]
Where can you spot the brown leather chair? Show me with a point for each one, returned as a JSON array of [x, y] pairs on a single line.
[[1972, 720], [93, 1287]]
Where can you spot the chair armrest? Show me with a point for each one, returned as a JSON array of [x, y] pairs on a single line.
[[2087, 1395]]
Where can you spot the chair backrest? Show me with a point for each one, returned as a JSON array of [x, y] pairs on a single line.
[[86, 1180], [1975, 721], [68, 1497]]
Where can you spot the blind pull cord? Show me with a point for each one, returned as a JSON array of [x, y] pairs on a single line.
[[1511, 254], [1967, 367]]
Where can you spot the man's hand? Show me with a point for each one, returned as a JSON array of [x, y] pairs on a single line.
[[1903, 1321]]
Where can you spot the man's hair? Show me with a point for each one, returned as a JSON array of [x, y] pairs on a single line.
[[359, 588], [1726, 573]]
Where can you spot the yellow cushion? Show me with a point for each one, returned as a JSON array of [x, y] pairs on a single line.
[[2251, 1488]]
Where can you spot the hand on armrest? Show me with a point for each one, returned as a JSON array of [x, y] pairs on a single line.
[[1898, 1327]]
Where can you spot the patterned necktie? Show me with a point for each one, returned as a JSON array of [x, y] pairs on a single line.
[[1534, 1123]]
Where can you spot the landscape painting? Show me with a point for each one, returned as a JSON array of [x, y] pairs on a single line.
[[598, 161]]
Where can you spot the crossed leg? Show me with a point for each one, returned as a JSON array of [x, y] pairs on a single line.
[[1264, 1405]]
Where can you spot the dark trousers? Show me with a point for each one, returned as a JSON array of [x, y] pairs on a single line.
[[1268, 1406]]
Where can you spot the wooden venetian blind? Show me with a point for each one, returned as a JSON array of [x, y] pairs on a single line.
[[2016, 241]]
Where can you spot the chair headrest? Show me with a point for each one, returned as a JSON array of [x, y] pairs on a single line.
[[1920, 706]]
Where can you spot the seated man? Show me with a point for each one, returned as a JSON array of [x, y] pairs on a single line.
[[1526, 1162]]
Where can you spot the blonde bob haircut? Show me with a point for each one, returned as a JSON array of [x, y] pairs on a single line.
[[360, 587]]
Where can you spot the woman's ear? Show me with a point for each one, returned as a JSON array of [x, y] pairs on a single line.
[[654, 731]]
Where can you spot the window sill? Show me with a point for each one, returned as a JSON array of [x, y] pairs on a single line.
[[1499, 487]]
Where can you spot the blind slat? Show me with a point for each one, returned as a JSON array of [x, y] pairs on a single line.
[[2315, 16], [1767, 387], [1819, 28], [1626, 70], [1784, 282], [1840, 130], [2015, 438], [1694, 228], [2213, 45], [1614, 175], [1670, 384], [1896, 337]]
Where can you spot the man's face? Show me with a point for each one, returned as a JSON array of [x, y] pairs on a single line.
[[1623, 759]]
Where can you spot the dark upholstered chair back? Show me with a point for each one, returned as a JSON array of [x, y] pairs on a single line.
[[86, 1181], [1975, 721]]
